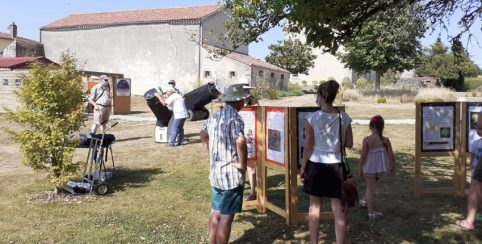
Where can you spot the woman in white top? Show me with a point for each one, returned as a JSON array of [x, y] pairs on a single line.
[[321, 171]]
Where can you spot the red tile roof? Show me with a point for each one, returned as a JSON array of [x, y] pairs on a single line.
[[7, 36], [252, 61], [134, 16], [15, 63]]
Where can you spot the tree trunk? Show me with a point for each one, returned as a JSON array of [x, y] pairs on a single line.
[[377, 84]]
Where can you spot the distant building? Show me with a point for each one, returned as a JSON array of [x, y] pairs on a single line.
[[150, 46], [12, 46], [10, 71]]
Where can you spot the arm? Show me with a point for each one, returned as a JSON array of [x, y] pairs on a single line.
[[205, 140], [254, 101], [472, 166], [349, 137], [242, 150], [161, 99], [308, 149], [363, 157], [391, 156], [92, 97]]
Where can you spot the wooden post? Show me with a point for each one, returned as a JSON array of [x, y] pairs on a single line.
[[418, 148], [293, 167]]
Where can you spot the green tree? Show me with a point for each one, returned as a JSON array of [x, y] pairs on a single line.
[[293, 56], [330, 24], [388, 41], [51, 109], [448, 67]]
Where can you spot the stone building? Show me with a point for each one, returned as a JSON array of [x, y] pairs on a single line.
[[11, 70], [150, 46], [12, 45]]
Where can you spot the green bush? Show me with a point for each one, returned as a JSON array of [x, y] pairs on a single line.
[[331, 78], [381, 100], [361, 83], [346, 80], [474, 94], [419, 100], [315, 82], [316, 87], [437, 100], [304, 82], [322, 81], [290, 93], [294, 87], [349, 85], [272, 94], [473, 83]]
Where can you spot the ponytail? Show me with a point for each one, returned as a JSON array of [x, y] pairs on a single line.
[[378, 123]]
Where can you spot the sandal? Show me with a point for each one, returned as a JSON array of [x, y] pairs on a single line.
[[363, 203], [375, 215]]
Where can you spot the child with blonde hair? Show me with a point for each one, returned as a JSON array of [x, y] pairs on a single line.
[[376, 152]]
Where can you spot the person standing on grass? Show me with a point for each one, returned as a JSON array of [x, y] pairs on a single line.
[[223, 137], [475, 190], [376, 152], [321, 169], [251, 101], [100, 99], [180, 114]]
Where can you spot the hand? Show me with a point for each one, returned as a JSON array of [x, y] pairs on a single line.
[[360, 172], [302, 176], [96, 107], [241, 169], [393, 172]]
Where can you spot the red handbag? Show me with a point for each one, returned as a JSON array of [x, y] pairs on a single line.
[[349, 190]]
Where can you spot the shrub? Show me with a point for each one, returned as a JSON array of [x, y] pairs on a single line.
[[361, 83], [290, 93], [304, 82], [315, 82], [349, 85], [381, 100], [428, 94], [322, 81], [352, 95], [331, 78], [474, 94], [419, 100], [272, 94], [437, 100], [316, 87], [294, 87], [346, 81]]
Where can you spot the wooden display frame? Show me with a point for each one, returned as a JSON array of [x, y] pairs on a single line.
[[295, 171], [464, 151], [455, 153], [284, 168]]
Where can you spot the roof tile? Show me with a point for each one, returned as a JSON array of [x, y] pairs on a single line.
[[7, 36], [13, 63], [134, 16]]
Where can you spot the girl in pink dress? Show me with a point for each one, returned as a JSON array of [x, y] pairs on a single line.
[[376, 152]]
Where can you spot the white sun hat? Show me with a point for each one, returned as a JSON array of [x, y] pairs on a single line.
[[234, 93]]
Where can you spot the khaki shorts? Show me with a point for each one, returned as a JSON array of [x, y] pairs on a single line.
[[102, 114]]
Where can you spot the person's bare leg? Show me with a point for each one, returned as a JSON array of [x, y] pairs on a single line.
[[252, 183], [224, 229], [474, 199], [214, 219], [340, 219], [93, 128], [370, 194], [314, 217]]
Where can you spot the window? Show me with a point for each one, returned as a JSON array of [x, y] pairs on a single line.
[[295, 75], [207, 74], [232, 74], [5, 82], [282, 76], [272, 75], [18, 82], [260, 73]]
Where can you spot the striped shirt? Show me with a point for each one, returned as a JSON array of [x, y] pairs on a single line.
[[96, 92], [223, 128]]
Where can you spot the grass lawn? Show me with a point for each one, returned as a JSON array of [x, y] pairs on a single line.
[[162, 195]]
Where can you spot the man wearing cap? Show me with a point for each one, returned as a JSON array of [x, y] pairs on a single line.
[[100, 99], [179, 112], [223, 137], [172, 83]]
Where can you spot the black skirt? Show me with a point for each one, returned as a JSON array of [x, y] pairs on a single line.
[[323, 180]]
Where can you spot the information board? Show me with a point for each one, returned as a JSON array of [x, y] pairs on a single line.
[[438, 130], [473, 112], [301, 114], [249, 115], [275, 135], [123, 87]]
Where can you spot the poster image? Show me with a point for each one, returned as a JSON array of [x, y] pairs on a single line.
[[302, 113], [123, 87], [274, 142], [249, 118], [275, 135], [474, 110], [438, 127]]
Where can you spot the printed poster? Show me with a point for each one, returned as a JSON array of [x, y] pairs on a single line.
[[123, 87], [473, 112], [249, 117], [438, 128], [275, 135]]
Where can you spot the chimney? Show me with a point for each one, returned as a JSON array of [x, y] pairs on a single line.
[[12, 29]]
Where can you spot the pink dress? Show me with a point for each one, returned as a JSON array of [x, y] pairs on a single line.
[[377, 162]]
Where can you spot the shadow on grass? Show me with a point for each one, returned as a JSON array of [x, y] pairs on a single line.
[[133, 139], [139, 112], [124, 178]]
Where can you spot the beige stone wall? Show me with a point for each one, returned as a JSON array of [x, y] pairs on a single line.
[[281, 84], [8, 98], [221, 68]]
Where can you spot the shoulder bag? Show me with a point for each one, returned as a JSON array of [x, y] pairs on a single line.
[[349, 190], [90, 106]]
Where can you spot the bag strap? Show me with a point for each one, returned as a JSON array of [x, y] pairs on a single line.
[[103, 90], [342, 149]]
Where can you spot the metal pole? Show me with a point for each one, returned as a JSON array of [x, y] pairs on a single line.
[[69, 7]]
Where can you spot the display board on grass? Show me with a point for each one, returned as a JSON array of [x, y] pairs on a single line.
[[250, 118], [472, 113], [438, 127], [275, 135]]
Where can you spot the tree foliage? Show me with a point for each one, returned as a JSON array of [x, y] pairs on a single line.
[[330, 24], [294, 56], [448, 67], [388, 41], [51, 108]]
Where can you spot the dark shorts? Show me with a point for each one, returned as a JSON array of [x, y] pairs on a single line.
[[323, 180], [477, 175], [228, 202]]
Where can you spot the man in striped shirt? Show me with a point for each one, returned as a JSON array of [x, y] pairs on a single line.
[[223, 137]]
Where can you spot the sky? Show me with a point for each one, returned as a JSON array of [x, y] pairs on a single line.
[[30, 15]]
